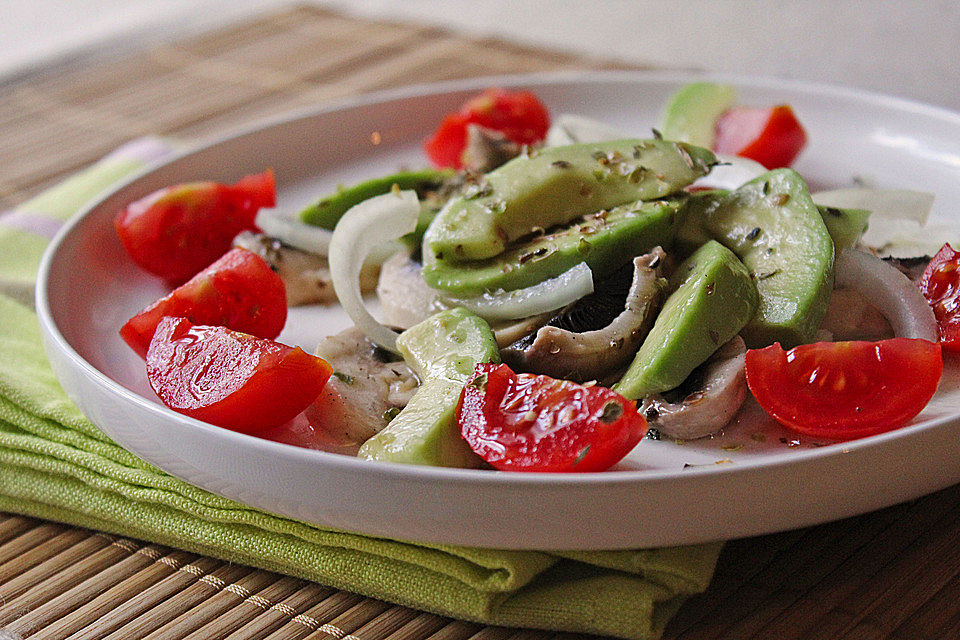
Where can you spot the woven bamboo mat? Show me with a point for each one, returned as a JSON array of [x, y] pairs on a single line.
[[891, 574], [66, 118]]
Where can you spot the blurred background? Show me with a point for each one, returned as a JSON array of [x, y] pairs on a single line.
[[909, 49]]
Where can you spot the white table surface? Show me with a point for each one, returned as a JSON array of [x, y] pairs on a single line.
[[909, 48]]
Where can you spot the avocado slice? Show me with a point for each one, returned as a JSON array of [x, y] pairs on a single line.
[[327, 211], [774, 227], [692, 230], [605, 241], [713, 299], [692, 112], [554, 186], [443, 351], [845, 226]]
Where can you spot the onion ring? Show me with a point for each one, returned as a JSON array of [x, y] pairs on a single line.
[[363, 228], [891, 292]]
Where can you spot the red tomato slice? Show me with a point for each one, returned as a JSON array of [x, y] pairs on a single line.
[[845, 390], [529, 422], [519, 115], [239, 291], [773, 137], [940, 284], [175, 232], [446, 145], [231, 379]]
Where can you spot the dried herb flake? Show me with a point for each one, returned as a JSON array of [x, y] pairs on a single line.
[[345, 378]]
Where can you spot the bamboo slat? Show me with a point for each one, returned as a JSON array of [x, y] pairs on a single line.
[[95, 609], [283, 612], [130, 611]]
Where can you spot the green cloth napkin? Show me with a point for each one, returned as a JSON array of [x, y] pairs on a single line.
[[55, 464]]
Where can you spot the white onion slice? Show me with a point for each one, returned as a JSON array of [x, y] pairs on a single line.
[[364, 228], [548, 295], [890, 291], [311, 239], [733, 173], [881, 203], [907, 239], [298, 235], [898, 219], [572, 129]]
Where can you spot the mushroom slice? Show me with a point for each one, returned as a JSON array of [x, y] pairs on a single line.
[[367, 389], [306, 276], [405, 299], [487, 149], [851, 316], [712, 405], [568, 348], [511, 331], [913, 267]]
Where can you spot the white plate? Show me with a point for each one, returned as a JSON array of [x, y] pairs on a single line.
[[752, 479]]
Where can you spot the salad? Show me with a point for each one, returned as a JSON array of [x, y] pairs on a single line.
[[550, 293]]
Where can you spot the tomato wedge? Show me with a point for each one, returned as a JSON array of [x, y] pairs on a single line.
[[231, 379], [845, 390], [518, 115], [530, 422], [177, 231], [773, 137], [239, 291], [445, 147], [940, 284]]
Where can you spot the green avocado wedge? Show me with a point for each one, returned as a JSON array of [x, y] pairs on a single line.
[[327, 211], [443, 351], [692, 112], [692, 230], [605, 241], [845, 226], [774, 227], [713, 299], [554, 186]]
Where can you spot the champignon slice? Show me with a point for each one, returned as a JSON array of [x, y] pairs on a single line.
[[712, 405], [589, 355], [911, 267], [513, 330], [306, 276], [487, 149], [367, 389], [405, 299], [851, 316]]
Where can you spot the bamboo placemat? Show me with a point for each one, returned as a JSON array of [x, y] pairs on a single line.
[[890, 574]]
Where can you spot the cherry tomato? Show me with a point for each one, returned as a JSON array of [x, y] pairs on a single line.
[[239, 291], [176, 231], [531, 422], [231, 379], [940, 284], [773, 137], [445, 147], [519, 115], [845, 390]]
